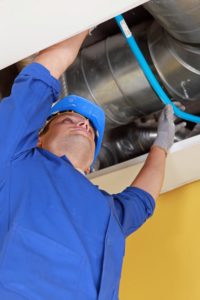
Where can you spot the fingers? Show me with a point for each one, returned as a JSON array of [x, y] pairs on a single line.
[[179, 105], [168, 112], [180, 126], [166, 128]]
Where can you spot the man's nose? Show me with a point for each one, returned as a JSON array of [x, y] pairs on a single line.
[[84, 124]]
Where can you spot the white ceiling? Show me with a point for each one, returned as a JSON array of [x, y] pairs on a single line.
[[28, 26]]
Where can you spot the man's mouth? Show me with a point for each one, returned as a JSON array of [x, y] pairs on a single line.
[[84, 131]]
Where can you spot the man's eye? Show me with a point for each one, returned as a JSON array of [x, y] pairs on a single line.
[[67, 120]]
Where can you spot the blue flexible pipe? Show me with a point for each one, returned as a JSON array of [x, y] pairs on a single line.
[[149, 74]]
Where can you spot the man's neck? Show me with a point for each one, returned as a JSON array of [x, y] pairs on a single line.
[[81, 171]]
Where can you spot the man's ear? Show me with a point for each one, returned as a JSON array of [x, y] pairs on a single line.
[[87, 171], [39, 143]]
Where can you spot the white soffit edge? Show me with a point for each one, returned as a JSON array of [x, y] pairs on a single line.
[[28, 26], [182, 167]]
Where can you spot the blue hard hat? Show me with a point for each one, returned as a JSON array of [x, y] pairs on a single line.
[[86, 108]]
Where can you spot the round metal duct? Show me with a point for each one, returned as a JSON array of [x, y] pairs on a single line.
[[108, 74], [177, 64], [180, 18]]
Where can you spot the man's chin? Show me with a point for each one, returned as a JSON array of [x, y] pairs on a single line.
[[81, 133], [79, 141], [80, 137]]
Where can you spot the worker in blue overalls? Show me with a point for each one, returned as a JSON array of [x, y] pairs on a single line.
[[61, 237]]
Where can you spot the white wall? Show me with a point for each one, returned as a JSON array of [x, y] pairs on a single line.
[[182, 167]]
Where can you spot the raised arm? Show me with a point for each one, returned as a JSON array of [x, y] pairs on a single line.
[[60, 56], [151, 176], [136, 204], [24, 112]]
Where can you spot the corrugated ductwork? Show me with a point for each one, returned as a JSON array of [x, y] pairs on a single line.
[[180, 18], [132, 140], [63, 81], [123, 143]]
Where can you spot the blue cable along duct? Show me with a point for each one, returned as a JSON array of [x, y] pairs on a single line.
[[149, 74]]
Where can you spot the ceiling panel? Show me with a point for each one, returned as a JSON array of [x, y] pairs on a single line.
[[27, 26]]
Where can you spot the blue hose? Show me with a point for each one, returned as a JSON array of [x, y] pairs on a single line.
[[149, 74]]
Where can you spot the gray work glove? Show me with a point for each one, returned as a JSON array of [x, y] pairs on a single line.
[[166, 129]]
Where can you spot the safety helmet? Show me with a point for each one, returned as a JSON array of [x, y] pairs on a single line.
[[86, 108]]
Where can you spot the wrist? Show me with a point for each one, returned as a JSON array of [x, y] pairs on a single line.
[[160, 149]]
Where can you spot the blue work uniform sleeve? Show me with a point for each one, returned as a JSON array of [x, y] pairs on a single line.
[[24, 112], [133, 207]]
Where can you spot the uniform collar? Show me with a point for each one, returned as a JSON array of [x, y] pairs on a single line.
[[81, 171], [52, 155], [63, 157]]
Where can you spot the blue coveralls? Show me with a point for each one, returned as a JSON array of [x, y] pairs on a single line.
[[61, 237]]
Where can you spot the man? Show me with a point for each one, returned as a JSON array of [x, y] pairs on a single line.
[[75, 128], [61, 237]]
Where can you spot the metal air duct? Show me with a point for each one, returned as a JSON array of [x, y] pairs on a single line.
[[107, 74], [180, 18], [177, 64]]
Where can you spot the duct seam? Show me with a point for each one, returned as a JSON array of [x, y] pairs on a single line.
[[111, 69], [85, 79]]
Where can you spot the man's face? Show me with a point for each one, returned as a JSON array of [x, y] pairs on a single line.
[[70, 133]]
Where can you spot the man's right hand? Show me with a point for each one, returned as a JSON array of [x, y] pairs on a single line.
[[166, 129], [59, 57]]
